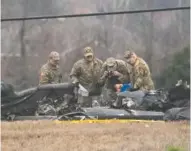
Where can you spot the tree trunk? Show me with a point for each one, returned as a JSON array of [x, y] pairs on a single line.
[[23, 57], [23, 60], [149, 43]]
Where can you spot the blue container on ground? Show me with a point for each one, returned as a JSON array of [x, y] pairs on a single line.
[[125, 87]]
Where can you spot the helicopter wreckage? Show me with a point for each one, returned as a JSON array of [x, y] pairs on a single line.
[[59, 102]]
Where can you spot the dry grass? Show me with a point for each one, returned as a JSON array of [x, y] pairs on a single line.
[[49, 136]]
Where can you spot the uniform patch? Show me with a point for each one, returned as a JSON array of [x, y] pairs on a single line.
[[42, 75]]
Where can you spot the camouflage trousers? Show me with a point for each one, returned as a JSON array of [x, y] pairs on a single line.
[[109, 96], [89, 101]]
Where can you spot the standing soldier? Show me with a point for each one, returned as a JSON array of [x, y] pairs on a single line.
[[50, 72], [87, 72], [141, 76], [114, 72]]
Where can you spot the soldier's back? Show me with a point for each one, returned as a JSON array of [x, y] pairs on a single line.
[[124, 68], [142, 71], [142, 63], [122, 64]]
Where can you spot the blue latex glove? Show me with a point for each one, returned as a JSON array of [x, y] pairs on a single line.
[[125, 87]]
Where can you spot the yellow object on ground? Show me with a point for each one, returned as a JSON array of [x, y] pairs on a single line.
[[107, 121]]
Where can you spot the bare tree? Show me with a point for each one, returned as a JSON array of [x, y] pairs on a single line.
[[149, 41], [23, 57], [23, 76]]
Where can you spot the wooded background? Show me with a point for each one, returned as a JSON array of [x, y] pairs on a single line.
[[156, 36]]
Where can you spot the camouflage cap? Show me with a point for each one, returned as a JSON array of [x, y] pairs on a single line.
[[54, 55], [88, 51], [128, 54], [110, 61]]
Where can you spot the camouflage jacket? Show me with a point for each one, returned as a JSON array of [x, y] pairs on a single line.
[[141, 76], [50, 75], [87, 74], [122, 68]]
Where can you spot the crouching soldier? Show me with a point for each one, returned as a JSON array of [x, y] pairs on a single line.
[[113, 72], [141, 76], [140, 79], [86, 72]]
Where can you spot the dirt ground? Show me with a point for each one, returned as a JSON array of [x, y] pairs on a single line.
[[50, 136]]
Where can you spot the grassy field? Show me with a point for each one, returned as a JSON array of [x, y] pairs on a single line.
[[49, 136]]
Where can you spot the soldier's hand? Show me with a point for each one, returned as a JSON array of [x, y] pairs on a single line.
[[106, 74], [116, 73], [75, 82]]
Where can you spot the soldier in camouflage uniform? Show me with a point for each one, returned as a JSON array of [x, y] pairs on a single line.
[[50, 72], [87, 72], [114, 71], [141, 76]]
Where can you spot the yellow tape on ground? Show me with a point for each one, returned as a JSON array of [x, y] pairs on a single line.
[[106, 121]]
